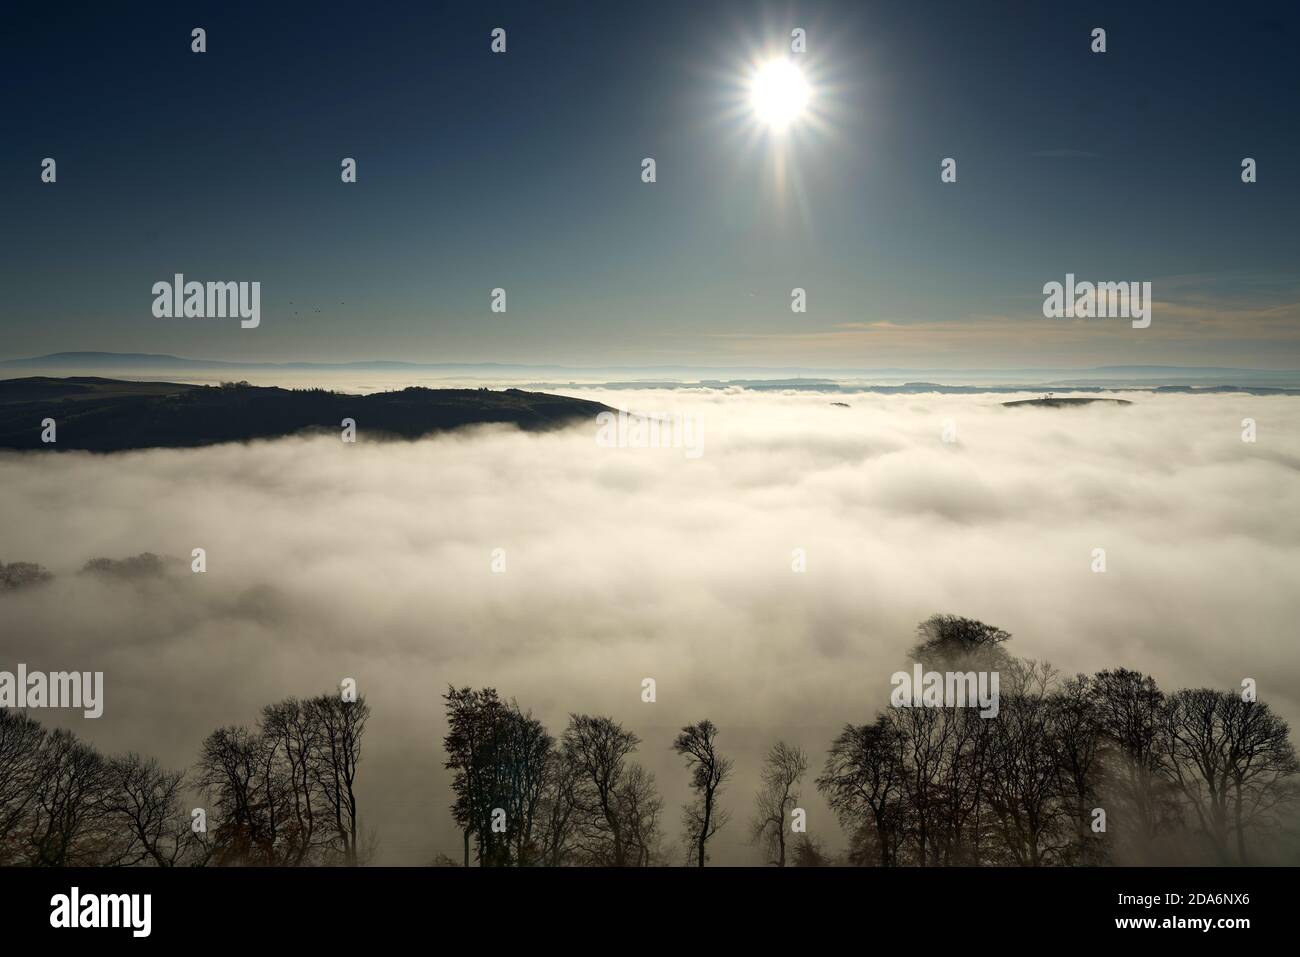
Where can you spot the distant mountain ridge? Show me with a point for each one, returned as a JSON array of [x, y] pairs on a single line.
[[145, 359], [1099, 376], [110, 415]]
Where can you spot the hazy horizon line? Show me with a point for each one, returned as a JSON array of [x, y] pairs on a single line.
[[124, 358]]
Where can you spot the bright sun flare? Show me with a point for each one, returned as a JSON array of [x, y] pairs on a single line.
[[779, 93]]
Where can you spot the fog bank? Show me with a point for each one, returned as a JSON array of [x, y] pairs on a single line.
[[375, 561]]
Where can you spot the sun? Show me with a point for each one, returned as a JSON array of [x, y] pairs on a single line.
[[779, 94]]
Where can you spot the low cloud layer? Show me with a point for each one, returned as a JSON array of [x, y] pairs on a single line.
[[374, 561]]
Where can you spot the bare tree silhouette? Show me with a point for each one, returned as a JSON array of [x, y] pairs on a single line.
[[783, 770], [709, 772], [1193, 776], [597, 749], [1233, 762], [285, 794]]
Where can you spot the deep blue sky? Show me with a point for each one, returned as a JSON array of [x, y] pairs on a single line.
[[523, 171]]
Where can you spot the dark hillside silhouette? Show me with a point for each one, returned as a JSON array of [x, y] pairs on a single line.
[[107, 415]]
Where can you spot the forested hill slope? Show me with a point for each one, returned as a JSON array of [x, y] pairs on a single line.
[[108, 415]]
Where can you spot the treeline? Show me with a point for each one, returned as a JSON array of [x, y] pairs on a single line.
[[282, 793], [527, 799], [1086, 770], [21, 574], [17, 575]]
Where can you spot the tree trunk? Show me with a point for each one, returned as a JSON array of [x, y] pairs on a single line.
[[704, 829], [1241, 831]]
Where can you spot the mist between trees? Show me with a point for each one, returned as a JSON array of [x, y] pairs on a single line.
[[1083, 770], [280, 794]]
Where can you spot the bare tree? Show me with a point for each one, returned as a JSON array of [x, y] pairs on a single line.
[[1130, 709], [232, 771], [640, 809], [597, 748], [340, 727], [285, 793], [929, 738], [291, 731], [863, 782], [144, 801], [709, 771], [22, 768], [1234, 763], [526, 753], [1078, 744], [64, 804], [1031, 821], [783, 770], [947, 751], [68, 826], [558, 813]]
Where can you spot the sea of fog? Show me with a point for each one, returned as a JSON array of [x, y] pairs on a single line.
[[376, 561]]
